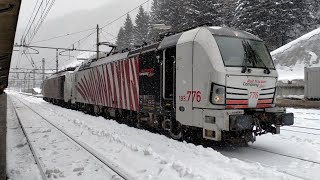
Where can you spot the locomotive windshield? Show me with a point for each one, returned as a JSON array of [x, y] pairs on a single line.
[[238, 52]]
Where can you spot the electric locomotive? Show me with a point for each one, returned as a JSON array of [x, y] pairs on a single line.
[[215, 83]]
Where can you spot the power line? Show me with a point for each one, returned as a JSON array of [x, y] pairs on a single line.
[[60, 36], [33, 21], [108, 24], [30, 18], [40, 22], [108, 33], [47, 47], [82, 39]]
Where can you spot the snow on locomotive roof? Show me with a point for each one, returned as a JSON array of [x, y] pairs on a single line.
[[108, 59], [170, 41], [225, 31], [215, 30], [58, 74], [166, 42]]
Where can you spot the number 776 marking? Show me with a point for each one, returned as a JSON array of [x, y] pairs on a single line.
[[194, 96]]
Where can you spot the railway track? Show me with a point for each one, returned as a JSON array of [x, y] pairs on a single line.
[[275, 154], [268, 166], [272, 159], [264, 154], [285, 155], [26, 94], [303, 130], [107, 166]]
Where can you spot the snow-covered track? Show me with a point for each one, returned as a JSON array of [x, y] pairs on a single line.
[[285, 155], [26, 94], [266, 165], [303, 130], [302, 127], [34, 153], [96, 159]]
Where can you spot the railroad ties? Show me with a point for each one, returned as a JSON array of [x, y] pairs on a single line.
[[74, 161]]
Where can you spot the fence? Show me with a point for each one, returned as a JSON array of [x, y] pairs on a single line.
[[290, 89], [312, 83]]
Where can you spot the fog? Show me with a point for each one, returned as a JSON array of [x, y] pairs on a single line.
[[68, 16]]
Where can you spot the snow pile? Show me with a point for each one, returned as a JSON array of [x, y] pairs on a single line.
[[146, 155], [292, 58], [37, 90], [295, 42], [20, 162]]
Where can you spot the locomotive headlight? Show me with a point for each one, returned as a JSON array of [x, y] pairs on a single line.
[[217, 94], [217, 99]]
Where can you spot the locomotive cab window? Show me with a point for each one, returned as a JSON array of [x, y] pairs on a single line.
[[237, 52]]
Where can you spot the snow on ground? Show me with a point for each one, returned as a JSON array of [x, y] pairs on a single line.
[[20, 162], [291, 73], [293, 142], [59, 157], [291, 96], [146, 155], [37, 90], [292, 58]]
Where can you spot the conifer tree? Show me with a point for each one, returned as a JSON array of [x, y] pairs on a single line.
[[205, 11], [277, 22], [128, 32], [121, 41], [142, 27]]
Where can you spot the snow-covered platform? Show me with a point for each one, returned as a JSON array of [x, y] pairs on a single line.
[[294, 154], [3, 133]]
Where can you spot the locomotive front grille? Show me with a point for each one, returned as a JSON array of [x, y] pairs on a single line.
[[238, 98]]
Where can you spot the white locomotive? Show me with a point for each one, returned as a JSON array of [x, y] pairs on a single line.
[[211, 82]]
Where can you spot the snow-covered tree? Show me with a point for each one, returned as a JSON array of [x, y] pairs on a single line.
[[125, 38], [205, 11], [128, 32], [121, 41], [277, 22], [170, 13], [142, 27]]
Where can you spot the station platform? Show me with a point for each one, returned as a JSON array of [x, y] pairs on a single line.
[[3, 135]]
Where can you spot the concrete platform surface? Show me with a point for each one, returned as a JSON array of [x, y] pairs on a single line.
[[3, 135]]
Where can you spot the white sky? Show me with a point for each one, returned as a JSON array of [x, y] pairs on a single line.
[[60, 8], [72, 7]]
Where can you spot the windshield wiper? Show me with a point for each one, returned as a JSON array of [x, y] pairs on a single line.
[[246, 59], [257, 57]]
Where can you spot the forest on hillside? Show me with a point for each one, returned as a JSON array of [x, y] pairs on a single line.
[[277, 22]]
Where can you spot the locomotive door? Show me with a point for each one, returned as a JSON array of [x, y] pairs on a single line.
[[169, 78], [184, 63]]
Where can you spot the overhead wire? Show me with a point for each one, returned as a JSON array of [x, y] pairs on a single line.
[[30, 26], [41, 20], [82, 39], [30, 18], [61, 36], [109, 23]]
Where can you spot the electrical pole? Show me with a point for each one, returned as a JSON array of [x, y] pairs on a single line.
[[97, 41], [43, 69], [57, 60], [28, 83], [34, 79], [24, 83]]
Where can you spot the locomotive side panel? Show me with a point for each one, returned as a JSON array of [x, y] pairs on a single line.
[[184, 74], [54, 88], [114, 84], [69, 78]]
